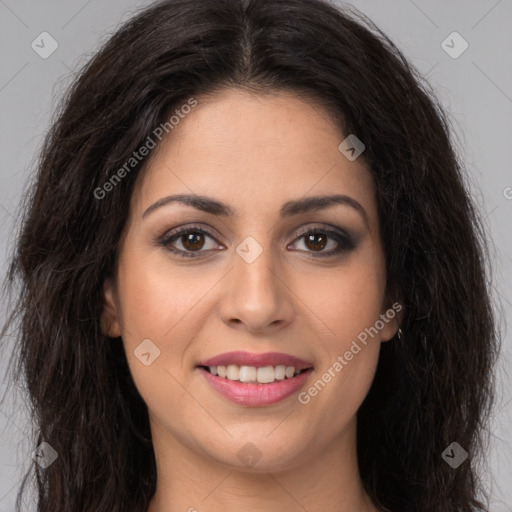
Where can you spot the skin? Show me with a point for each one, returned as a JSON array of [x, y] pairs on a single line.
[[240, 148]]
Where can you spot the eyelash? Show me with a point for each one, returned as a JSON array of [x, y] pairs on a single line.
[[345, 242]]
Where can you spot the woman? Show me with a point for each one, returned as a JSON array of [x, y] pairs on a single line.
[[252, 276]]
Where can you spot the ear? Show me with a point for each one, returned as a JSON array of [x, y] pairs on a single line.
[[109, 321], [392, 318]]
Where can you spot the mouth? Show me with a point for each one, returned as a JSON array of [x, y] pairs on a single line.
[[255, 379], [253, 374]]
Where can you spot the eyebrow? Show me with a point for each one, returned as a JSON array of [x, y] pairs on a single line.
[[288, 209]]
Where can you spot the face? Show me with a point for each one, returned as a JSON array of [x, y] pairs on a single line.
[[254, 267]]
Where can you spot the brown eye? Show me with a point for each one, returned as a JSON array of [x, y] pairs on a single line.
[[192, 241], [316, 241], [189, 242], [325, 242]]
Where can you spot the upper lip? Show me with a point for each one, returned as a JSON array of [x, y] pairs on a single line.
[[241, 358]]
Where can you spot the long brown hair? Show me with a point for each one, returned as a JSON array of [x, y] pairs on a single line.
[[433, 386]]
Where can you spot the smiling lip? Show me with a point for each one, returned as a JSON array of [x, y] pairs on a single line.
[[241, 358], [256, 394]]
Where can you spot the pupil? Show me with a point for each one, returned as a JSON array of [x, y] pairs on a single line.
[[192, 241], [312, 237]]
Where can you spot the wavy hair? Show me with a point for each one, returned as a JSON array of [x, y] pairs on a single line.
[[433, 386]]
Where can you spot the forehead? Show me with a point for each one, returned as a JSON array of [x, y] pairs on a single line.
[[254, 152]]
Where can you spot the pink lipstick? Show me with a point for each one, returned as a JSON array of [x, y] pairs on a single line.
[[255, 379]]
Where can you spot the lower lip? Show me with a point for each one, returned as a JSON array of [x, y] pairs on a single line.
[[253, 394]]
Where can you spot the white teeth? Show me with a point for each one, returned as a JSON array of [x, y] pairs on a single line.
[[233, 372], [247, 374], [262, 375], [290, 370], [266, 374], [280, 372]]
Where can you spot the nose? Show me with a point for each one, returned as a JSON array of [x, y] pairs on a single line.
[[257, 295]]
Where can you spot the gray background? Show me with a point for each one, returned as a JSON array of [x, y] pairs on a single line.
[[476, 88]]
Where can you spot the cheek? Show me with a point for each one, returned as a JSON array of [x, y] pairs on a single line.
[[348, 355], [338, 390], [344, 301], [351, 346], [347, 303], [151, 310], [154, 296]]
